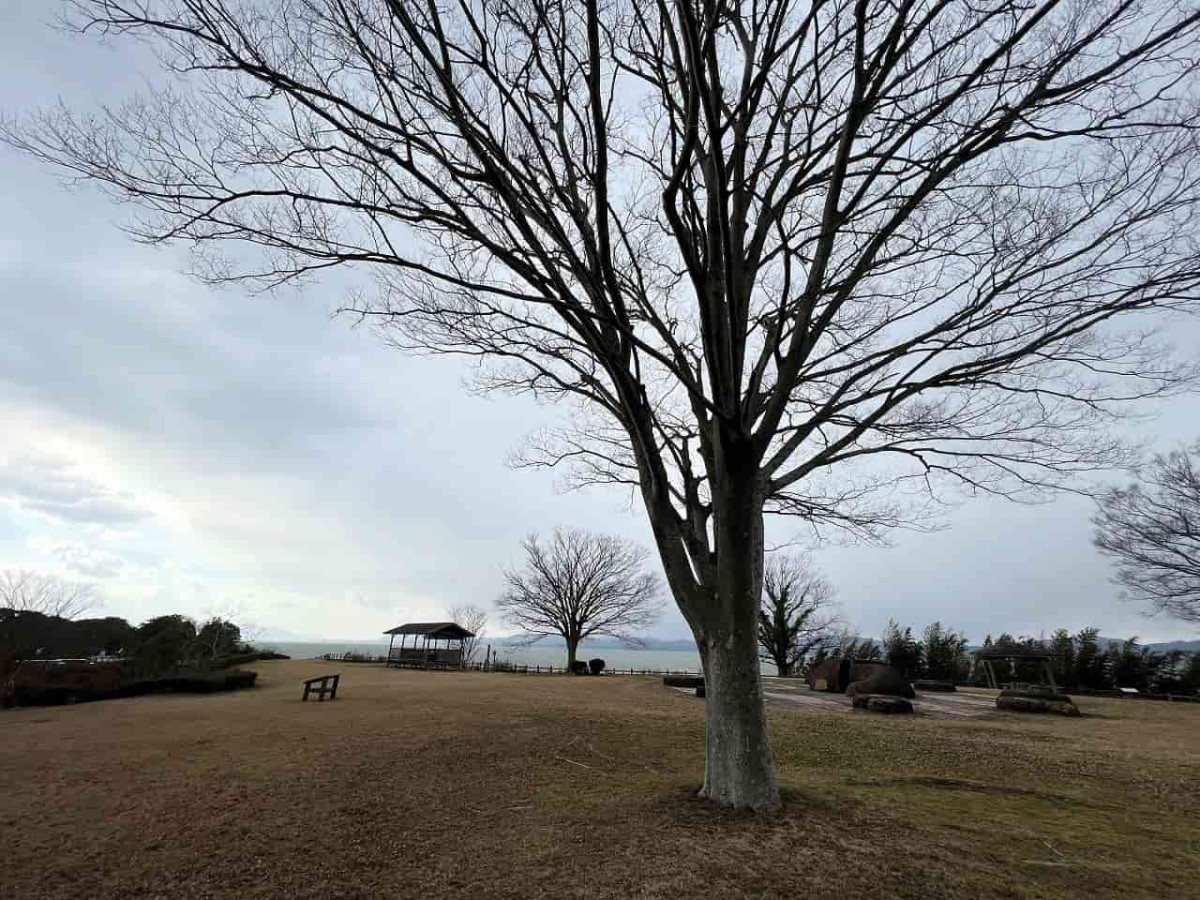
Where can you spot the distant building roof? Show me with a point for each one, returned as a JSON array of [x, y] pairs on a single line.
[[1009, 650], [446, 631]]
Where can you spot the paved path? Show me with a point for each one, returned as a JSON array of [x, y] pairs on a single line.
[[962, 704]]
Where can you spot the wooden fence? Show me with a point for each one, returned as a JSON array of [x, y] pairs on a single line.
[[538, 669], [513, 668]]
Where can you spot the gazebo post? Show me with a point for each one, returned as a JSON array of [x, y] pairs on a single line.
[[391, 643]]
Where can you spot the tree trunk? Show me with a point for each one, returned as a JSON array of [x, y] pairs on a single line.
[[738, 766], [572, 650]]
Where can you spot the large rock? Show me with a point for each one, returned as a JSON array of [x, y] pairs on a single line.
[[1013, 703], [881, 704], [832, 675], [884, 680]]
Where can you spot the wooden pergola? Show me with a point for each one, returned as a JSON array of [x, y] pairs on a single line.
[[1008, 652], [435, 645]]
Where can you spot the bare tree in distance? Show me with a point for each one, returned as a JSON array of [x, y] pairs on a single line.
[[783, 257], [795, 618], [474, 619], [233, 612], [579, 585], [1151, 531], [29, 591]]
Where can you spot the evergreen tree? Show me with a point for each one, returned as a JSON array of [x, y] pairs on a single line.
[[945, 653], [1089, 661], [901, 650], [1062, 658]]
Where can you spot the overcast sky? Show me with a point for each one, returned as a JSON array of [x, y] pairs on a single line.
[[201, 451]]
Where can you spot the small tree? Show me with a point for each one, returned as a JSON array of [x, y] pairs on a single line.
[[1089, 661], [901, 650], [860, 648], [1151, 530], [945, 653], [216, 637], [1062, 657], [473, 619], [579, 585], [26, 591], [163, 643], [844, 646], [1130, 665], [793, 620]]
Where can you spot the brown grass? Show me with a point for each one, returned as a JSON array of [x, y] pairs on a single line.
[[416, 784]]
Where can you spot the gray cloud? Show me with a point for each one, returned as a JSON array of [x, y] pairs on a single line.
[[48, 487], [89, 561]]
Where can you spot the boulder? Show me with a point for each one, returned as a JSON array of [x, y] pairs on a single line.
[[880, 703], [1037, 705], [885, 681], [684, 681], [831, 675]]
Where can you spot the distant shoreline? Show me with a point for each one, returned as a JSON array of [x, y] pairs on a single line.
[[542, 653]]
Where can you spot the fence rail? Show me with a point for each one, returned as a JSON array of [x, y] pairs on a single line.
[[512, 668], [539, 669]]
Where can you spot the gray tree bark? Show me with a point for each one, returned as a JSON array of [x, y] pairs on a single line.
[[722, 606], [738, 763]]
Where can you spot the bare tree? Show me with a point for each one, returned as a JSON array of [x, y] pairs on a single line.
[[1151, 530], [28, 591], [474, 619], [781, 255], [795, 617], [579, 585]]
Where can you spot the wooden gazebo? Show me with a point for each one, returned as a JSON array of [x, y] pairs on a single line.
[[1008, 652], [435, 645]]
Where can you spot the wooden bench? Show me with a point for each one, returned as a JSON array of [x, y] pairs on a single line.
[[323, 686]]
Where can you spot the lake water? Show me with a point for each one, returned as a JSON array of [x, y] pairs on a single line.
[[549, 655]]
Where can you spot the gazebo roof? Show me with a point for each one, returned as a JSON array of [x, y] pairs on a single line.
[[1011, 650], [445, 631]]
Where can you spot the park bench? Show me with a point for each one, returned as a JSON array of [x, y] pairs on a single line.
[[323, 686]]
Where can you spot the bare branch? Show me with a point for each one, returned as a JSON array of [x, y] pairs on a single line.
[[27, 591], [1151, 531]]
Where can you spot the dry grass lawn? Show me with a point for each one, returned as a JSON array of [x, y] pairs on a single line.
[[431, 785]]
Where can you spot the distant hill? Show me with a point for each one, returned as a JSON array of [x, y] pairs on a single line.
[[1168, 646]]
